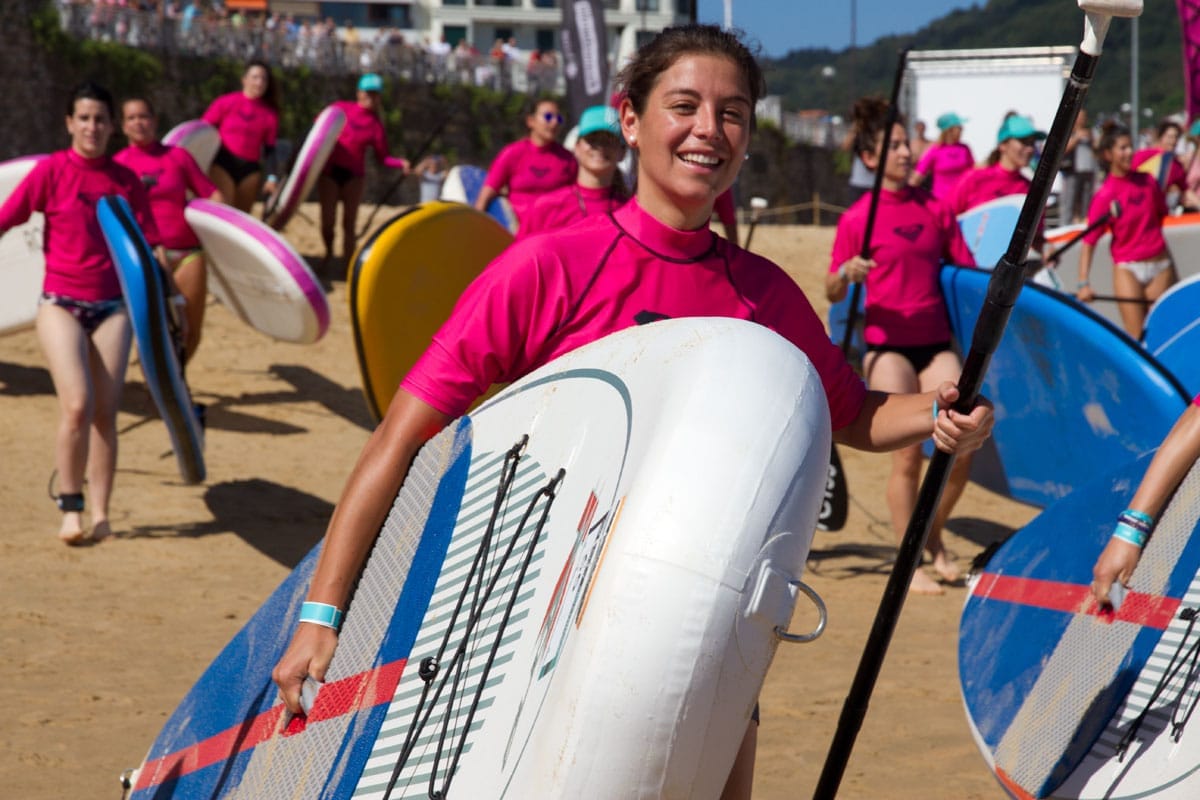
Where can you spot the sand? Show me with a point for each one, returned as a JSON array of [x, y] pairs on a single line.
[[100, 643]]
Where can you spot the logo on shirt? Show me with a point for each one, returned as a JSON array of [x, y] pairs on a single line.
[[539, 172], [1135, 199], [646, 317], [246, 114], [89, 199], [909, 232], [150, 179]]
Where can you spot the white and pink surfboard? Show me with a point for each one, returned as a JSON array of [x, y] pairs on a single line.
[[197, 137], [258, 274], [314, 152], [22, 264]]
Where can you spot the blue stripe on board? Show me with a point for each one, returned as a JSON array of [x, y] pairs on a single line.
[[410, 607]]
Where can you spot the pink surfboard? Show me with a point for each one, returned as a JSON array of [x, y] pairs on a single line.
[[197, 137], [314, 152]]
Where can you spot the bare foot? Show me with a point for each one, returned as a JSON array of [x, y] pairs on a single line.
[[946, 569], [100, 531], [72, 531], [923, 584]]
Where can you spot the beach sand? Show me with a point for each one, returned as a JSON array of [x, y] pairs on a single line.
[[100, 643]]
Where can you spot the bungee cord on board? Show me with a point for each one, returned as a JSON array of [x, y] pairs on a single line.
[[488, 566], [1180, 658]]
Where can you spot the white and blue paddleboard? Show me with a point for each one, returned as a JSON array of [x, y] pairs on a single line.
[[988, 228], [1069, 700], [577, 592], [1172, 333], [144, 288], [22, 263], [463, 184], [1073, 394]]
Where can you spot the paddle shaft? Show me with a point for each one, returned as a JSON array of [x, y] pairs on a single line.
[[1112, 298], [417, 156], [876, 190], [1003, 289], [1075, 239]]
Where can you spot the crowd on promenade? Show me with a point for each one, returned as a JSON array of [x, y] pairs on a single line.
[[207, 28]]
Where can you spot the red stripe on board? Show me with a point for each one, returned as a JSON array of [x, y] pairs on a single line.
[[1013, 788], [346, 696], [1147, 610]]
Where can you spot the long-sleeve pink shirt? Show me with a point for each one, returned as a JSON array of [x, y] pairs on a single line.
[[982, 185], [549, 294], [66, 188], [168, 173], [1137, 232], [913, 234], [530, 171], [363, 130], [945, 164], [562, 207], [245, 124]]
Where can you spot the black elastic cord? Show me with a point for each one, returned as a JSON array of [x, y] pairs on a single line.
[[1178, 660]]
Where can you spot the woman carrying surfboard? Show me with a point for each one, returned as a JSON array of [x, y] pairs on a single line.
[[169, 174], [1144, 269], [909, 347], [248, 122], [688, 112], [344, 176], [82, 323], [598, 188], [530, 167], [1167, 469]]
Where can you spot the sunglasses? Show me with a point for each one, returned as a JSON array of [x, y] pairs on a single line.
[[550, 116]]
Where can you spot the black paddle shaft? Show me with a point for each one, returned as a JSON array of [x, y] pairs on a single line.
[[1003, 290], [876, 189]]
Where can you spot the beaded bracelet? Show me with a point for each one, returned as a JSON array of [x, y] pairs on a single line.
[[321, 614]]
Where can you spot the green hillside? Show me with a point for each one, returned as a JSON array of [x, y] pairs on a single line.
[[799, 78]]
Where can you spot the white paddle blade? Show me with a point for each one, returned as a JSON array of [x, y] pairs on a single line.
[[1112, 8], [1099, 14]]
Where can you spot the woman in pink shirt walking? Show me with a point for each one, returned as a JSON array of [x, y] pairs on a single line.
[[1002, 174], [598, 188], [909, 347], [688, 112], [170, 174], [344, 176], [530, 167], [82, 324], [946, 161], [1143, 269], [248, 122]]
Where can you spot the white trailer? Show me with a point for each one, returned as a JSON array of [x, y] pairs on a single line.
[[982, 86]]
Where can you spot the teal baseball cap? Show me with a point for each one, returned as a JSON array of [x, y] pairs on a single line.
[[1018, 127], [371, 82], [949, 120], [599, 118]]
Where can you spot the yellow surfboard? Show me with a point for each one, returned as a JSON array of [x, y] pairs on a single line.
[[403, 283]]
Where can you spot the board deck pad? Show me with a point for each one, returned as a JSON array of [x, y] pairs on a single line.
[[1073, 394], [1046, 674]]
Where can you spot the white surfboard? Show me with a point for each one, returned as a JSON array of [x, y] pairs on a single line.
[[258, 274], [22, 263], [576, 594], [199, 138], [314, 152]]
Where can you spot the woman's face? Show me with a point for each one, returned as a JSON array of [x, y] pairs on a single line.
[[370, 100], [1016, 154], [137, 123], [255, 82], [544, 122], [1120, 155], [691, 138], [954, 135], [90, 125], [599, 153], [899, 162], [1169, 139]]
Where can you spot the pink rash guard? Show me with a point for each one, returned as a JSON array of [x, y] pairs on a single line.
[[168, 173], [66, 187], [363, 130], [913, 234], [562, 207], [945, 164], [530, 171], [549, 294], [1137, 233], [982, 185], [245, 124]]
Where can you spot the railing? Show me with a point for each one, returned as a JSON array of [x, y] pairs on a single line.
[[321, 46]]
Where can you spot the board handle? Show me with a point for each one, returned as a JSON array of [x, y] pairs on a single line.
[[822, 614]]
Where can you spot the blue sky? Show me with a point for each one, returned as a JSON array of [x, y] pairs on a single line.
[[783, 25]]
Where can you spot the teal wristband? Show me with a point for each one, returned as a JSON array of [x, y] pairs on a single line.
[[935, 409], [1127, 533], [321, 614], [1140, 516]]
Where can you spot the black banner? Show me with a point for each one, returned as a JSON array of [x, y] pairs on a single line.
[[585, 54]]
